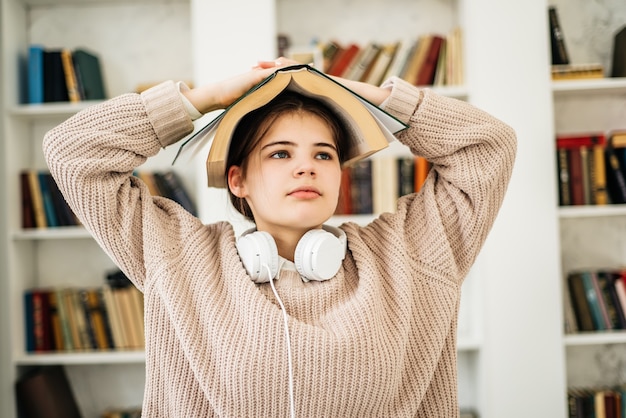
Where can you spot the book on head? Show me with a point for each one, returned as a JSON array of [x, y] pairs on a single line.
[[369, 127]]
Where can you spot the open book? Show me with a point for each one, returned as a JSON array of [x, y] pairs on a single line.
[[370, 128]]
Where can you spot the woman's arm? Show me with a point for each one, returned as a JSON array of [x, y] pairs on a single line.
[[472, 155], [92, 156]]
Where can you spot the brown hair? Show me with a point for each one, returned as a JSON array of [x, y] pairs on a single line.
[[253, 127]]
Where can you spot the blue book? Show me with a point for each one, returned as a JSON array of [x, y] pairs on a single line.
[[594, 302], [48, 204], [35, 74]]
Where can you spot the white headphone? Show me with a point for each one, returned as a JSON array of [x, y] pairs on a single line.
[[318, 255]]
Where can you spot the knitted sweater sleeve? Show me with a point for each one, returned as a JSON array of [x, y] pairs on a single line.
[[92, 156], [444, 225]]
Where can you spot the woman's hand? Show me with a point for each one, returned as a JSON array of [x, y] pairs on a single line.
[[220, 95]]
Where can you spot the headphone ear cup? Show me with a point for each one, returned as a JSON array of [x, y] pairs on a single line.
[[319, 255], [258, 252]]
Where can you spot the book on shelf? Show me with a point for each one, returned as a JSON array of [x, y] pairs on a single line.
[[618, 54], [417, 58], [370, 128], [428, 68], [45, 392], [381, 64], [558, 47], [360, 66], [597, 298], [582, 173], [54, 82], [342, 59], [62, 75], [69, 319], [89, 74], [577, 71], [42, 204], [374, 185], [605, 401]]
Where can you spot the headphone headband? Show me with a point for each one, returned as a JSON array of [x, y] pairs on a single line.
[[318, 255]]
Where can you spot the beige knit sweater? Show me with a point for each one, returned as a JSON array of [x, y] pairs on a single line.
[[377, 340]]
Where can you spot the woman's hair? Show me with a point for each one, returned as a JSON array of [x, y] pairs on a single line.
[[253, 127]]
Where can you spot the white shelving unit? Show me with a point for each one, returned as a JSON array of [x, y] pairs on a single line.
[[591, 236], [511, 348]]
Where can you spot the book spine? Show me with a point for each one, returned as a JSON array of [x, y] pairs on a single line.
[[560, 55], [35, 74]]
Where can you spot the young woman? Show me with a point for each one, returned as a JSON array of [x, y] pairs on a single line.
[[376, 339]]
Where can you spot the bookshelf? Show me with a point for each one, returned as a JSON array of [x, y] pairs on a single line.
[[510, 348], [589, 235], [68, 256]]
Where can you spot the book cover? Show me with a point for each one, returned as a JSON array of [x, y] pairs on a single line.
[[369, 127], [575, 164], [66, 330], [89, 74], [618, 54], [37, 199], [384, 177], [113, 314], [615, 179], [35, 74], [42, 322], [48, 204], [406, 175], [343, 59], [426, 73], [28, 213], [613, 284], [71, 82], [55, 319], [593, 300], [65, 215], [582, 311], [577, 71], [563, 177], [557, 38], [614, 318], [54, 85], [361, 187], [379, 68], [417, 58]]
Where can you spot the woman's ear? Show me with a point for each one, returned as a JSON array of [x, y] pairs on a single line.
[[235, 181]]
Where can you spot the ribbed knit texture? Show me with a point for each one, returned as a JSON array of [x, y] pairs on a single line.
[[377, 340]]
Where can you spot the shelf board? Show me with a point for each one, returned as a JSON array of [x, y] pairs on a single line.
[[595, 338], [62, 232], [590, 211], [51, 110], [597, 85], [83, 2], [95, 357]]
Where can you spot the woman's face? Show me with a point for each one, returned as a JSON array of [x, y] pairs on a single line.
[[293, 176]]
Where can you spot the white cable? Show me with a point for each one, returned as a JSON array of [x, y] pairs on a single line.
[[292, 404]]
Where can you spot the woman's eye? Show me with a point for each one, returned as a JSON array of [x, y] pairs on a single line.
[[324, 156], [280, 154]]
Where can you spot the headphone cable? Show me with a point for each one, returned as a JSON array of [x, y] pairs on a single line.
[[287, 340]]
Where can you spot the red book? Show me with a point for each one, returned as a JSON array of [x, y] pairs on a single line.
[[575, 164], [343, 61], [580, 140], [426, 74]]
